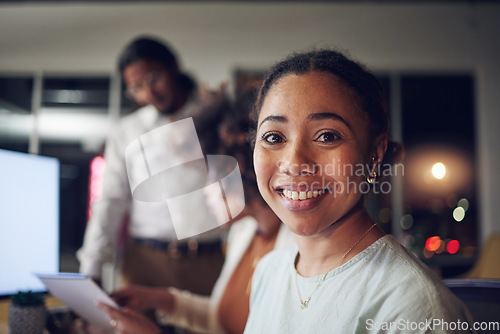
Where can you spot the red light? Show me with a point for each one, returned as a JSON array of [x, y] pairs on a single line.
[[97, 166], [453, 246], [432, 244]]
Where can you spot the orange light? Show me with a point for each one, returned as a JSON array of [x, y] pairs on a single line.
[[441, 247], [453, 246], [432, 244]]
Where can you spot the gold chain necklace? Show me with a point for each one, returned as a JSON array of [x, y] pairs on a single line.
[[305, 303]]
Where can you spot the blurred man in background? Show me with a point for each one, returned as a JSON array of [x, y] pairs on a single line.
[[152, 256]]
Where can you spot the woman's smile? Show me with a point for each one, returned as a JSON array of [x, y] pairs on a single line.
[[302, 196], [303, 201]]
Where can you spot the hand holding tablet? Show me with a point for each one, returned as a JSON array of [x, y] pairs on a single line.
[[80, 293]]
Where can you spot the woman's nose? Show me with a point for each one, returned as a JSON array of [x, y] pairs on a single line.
[[298, 161]]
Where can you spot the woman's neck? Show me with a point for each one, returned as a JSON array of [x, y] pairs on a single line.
[[321, 253]]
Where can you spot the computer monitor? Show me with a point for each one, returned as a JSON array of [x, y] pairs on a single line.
[[29, 220]]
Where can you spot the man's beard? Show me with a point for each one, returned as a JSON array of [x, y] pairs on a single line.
[[170, 110]]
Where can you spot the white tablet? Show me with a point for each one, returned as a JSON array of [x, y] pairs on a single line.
[[79, 293]]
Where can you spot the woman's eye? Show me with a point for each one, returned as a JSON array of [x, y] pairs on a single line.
[[328, 137], [273, 138]]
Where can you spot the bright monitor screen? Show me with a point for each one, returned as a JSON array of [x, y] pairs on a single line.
[[29, 220]]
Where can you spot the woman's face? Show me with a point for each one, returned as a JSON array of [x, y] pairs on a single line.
[[312, 151]]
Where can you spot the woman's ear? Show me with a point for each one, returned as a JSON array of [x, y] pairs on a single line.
[[380, 146]]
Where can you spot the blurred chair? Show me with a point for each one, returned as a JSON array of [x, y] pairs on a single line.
[[488, 265], [481, 296]]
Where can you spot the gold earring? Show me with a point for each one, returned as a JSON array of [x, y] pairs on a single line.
[[373, 175]]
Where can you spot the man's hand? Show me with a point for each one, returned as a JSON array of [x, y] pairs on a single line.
[[128, 321], [143, 298]]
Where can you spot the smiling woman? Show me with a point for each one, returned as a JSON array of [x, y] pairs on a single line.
[[316, 131], [316, 111]]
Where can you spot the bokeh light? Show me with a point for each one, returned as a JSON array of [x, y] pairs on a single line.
[[432, 244], [464, 203], [438, 170], [406, 221], [441, 247], [428, 254], [459, 214], [97, 166], [424, 164], [453, 246]]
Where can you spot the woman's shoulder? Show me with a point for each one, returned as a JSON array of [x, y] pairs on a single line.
[[403, 279], [391, 253], [399, 263]]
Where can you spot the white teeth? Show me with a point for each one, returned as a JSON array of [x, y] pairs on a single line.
[[302, 195]]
